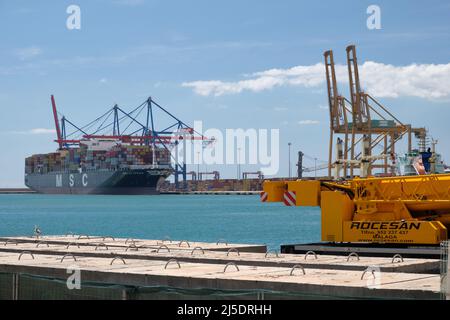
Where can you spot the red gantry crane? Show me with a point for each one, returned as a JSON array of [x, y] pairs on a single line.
[[137, 127]]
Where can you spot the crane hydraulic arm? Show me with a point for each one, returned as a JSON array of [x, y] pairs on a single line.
[[402, 210]]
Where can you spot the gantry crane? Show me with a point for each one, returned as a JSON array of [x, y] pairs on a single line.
[[361, 120], [136, 127]]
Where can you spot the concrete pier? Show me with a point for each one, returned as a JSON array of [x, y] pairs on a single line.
[[16, 191], [243, 270]]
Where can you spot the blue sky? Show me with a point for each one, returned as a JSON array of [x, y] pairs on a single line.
[[127, 50]]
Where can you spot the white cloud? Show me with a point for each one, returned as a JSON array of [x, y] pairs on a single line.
[[34, 131], [28, 53], [103, 80], [322, 107], [42, 131], [218, 88], [429, 81], [308, 122]]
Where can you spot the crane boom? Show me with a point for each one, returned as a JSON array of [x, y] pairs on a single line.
[[339, 112], [55, 116]]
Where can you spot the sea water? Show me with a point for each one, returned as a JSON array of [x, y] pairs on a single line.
[[237, 219]]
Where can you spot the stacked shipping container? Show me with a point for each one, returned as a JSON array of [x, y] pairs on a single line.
[[118, 156]]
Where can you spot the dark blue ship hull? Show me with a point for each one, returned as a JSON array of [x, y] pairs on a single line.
[[124, 182]]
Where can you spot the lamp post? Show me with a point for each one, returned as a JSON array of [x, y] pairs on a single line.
[[239, 163], [289, 148], [198, 164], [315, 167]]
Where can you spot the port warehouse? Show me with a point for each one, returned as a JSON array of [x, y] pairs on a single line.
[[214, 185]]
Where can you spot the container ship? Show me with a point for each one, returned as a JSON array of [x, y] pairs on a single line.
[[99, 167], [420, 163], [103, 158]]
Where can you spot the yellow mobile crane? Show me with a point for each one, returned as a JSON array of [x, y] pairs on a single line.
[[411, 210], [402, 210]]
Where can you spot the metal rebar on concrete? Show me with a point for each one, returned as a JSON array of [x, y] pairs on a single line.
[[329, 276]]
